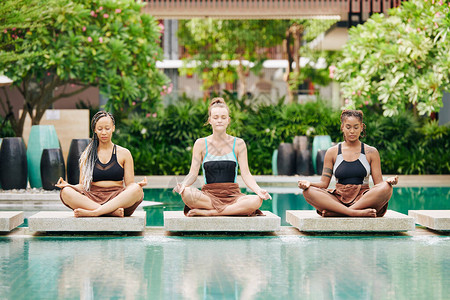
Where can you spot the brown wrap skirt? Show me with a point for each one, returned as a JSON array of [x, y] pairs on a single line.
[[222, 195], [101, 195], [349, 194]]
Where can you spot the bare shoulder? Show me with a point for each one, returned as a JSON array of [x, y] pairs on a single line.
[[332, 150], [200, 143], [123, 152], [370, 150], [240, 142]]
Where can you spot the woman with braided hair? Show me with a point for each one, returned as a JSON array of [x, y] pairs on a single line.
[[220, 155], [351, 162], [104, 169]]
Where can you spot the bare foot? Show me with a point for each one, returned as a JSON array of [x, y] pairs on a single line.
[[331, 214], [117, 213], [201, 212], [80, 212], [368, 212]]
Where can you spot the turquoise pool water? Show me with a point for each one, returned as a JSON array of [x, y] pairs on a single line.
[[403, 199], [291, 267]]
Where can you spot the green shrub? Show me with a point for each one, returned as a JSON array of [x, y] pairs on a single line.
[[6, 130], [408, 145], [161, 143]]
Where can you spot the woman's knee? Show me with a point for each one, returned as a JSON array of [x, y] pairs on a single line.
[[63, 193], [188, 196], [308, 194], [386, 188], [252, 204], [136, 190], [67, 193], [257, 202]]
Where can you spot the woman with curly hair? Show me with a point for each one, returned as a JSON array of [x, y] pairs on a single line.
[[351, 162]]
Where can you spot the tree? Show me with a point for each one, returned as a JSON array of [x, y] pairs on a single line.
[[214, 45], [22, 15], [104, 43], [298, 34], [400, 60]]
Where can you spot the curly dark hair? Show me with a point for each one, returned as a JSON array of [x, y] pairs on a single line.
[[354, 113]]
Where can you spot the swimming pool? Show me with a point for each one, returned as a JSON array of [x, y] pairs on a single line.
[[403, 199], [232, 267], [290, 267]]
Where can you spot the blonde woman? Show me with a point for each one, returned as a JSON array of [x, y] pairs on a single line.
[[219, 155], [107, 186]]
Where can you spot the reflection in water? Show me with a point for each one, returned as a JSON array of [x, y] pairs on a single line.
[[225, 268], [209, 269]]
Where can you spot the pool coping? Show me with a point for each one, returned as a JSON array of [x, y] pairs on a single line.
[[25, 232]]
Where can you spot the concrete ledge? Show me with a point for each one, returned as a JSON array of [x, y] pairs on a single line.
[[10, 220], [433, 219], [177, 221], [310, 221], [65, 221]]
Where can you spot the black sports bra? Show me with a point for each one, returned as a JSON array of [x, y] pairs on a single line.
[[111, 171], [352, 172]]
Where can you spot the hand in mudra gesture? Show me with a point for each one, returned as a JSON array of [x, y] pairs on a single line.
[[143, 182], [304, 184], [61, 183], [392, 180]]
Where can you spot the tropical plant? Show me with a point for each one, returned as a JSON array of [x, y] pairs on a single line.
[[161, 143], [18, 17], [399, 61], [106, 43]]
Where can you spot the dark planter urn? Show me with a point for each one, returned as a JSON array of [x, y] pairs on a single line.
[[304, 162], [52, 168], [320, 158], [77, 147], [13, 164], [286, 159]]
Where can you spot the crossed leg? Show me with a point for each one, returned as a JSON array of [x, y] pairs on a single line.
[[369, 205], [200, 204], [377, 197], [85, 207], [330, 206]]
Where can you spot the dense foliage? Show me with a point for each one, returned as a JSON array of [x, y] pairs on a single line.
[[106, 43], [22, 15], [161, 143], [400, 60]]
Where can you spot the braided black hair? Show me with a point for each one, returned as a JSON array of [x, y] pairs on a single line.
[[89, 156]]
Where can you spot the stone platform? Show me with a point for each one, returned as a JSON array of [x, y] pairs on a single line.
[[47, 221], [434, 219], [310, 221], [177, 221], [10, 220]]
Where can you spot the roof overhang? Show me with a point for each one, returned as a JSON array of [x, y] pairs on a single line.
[[250, 9]]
